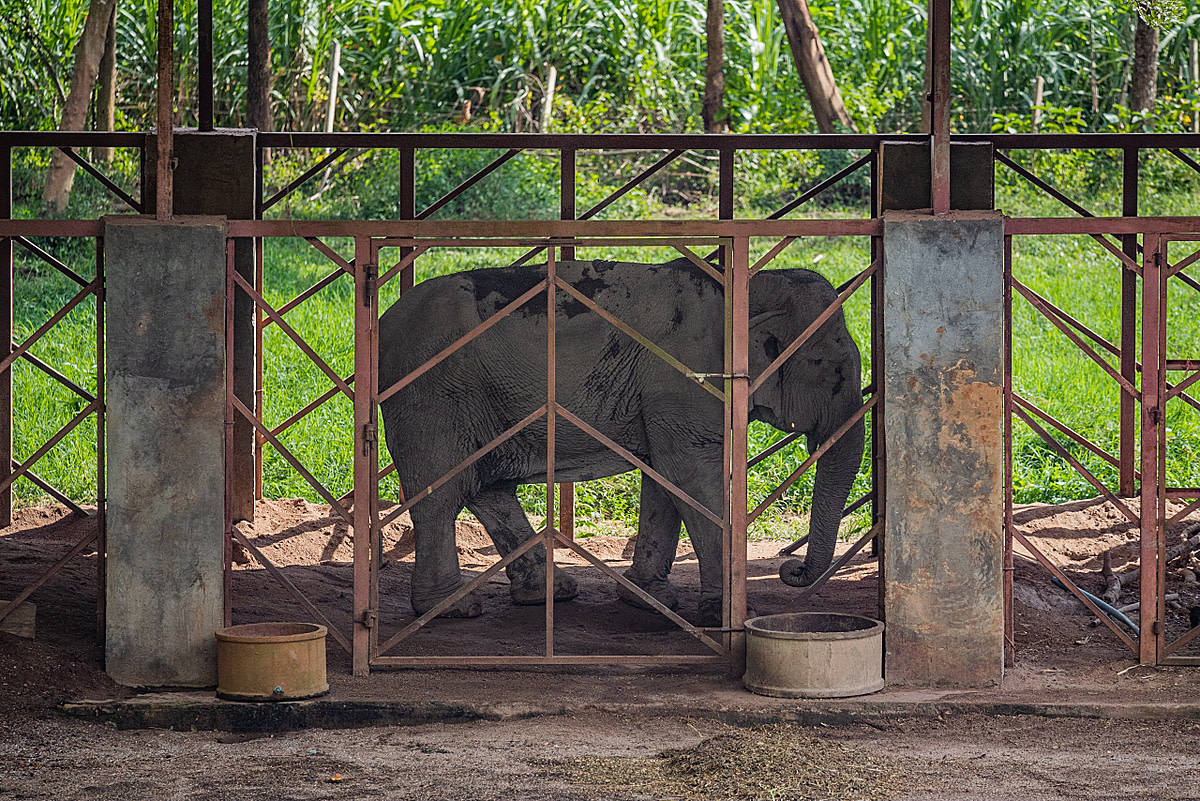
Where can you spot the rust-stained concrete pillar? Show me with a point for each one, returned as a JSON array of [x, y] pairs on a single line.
[[215, 174], [165, 331], [943, 381]]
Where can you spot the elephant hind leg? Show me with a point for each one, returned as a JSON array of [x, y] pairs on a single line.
[[654, 551], [436, 574], [501, 514]]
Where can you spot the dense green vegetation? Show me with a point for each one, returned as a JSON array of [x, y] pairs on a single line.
[[621, 67]]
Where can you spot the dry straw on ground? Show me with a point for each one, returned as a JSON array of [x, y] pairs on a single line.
[[778, 762]]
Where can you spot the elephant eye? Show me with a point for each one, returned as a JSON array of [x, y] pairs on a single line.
[[771, 348]]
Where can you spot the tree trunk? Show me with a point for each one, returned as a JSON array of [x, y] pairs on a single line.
[[88, 52], [258, 83], [715, 120], [106, 91], [815, 72], [1144, 85]]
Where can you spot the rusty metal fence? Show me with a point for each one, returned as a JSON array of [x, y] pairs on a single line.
[[40, 240], [1144, 248]]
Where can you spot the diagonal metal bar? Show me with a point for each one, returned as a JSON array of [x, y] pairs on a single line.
[[295, 337], [1050, 314], [300, 415], [814, 327], [51, 260], [807, 463], [347, 500], [1187, 510], [305, 295], [840, 562], [102, 178], [809, 194], [1183, 264], [408, 259], [1182, 641], [1124, 257], [631, 184], [282, 578], [467, 184], [304, 178], [46, 448], [50, 490], [292, 460], [1070, 585], [50, 573], [1182, 387], [21, 349], [347, 265], [461, 341], [1057, 447], [1073, 322], [659, 607], [699, 262], [639, 464], [1066, 430], [1185, 158], [1187, 279], [463, 465], [633, 334], [782, 245], [461, 592], [774, 449], [57, 376]]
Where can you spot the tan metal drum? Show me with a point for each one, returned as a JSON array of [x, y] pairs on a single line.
[[813, 655], [271, 662]]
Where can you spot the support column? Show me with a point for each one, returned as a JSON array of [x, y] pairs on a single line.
[[165, 382], [215, 175], [943, 378]]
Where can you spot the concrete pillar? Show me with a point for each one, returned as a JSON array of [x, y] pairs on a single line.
[[215, 175], [943, 382], [166, 430]]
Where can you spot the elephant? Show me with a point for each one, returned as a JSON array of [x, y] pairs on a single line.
[[621, 388]]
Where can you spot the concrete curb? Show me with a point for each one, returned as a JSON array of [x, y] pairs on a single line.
[[201, 711]]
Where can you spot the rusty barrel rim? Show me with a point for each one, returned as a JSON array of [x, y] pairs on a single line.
[[788, 626]]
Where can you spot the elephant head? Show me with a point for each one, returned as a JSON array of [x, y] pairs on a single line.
[[813, 392]]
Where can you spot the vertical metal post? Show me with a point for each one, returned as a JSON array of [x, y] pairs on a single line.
[[101, 508], [1150, 581], [551, 419], [1129, 329], [259, 319], [230, 415], [365, 447], [204, 77], [877, 461], [164, 201], [6, 338], [408, 208], [566, 491], [939, 98], [1009, 630], [737, 400], [725, 179]]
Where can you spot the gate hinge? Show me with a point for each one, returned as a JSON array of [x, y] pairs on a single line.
[[372, 284], [1156, 627], [370, 437], [369, 618]]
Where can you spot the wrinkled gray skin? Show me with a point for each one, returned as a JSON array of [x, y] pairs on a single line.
[[619, 387]]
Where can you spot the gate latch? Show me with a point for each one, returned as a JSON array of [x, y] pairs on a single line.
[[369, 618], [700, 378]]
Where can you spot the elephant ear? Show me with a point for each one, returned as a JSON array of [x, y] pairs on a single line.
[[765, 347]]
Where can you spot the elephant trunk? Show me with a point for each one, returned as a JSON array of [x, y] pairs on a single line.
[[836, 471]]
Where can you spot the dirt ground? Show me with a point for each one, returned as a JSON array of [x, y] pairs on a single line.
[[1062, 656]]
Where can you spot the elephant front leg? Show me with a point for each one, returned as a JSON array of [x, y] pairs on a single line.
[[436, 574], [654, 551], [501, 514]]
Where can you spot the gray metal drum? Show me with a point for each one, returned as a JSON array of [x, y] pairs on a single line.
[[813, 655]]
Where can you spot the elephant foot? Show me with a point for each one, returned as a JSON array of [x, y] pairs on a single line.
[[532, 591], [710, 613], [467, 606], [661, 590], [796, 573]]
